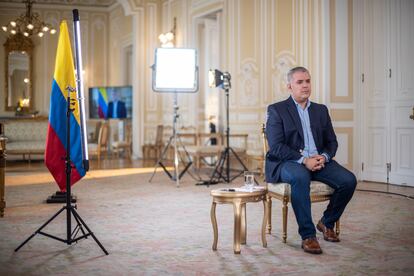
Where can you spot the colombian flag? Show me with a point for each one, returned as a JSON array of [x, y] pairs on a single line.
[[102, 103], [56, 134]]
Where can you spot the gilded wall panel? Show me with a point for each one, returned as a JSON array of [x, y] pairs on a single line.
[[341, 51], [342, 114], [283, 28], [284, 25], [98, 51]]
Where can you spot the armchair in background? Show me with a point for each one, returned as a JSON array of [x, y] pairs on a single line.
[[101, 147], [153, 151], [125, 145]]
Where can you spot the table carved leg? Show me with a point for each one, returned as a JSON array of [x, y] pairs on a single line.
[[237, 226], [214, 223], [243, 226]]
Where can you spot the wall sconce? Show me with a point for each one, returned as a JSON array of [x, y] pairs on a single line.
[[168, 39], [24, 102]]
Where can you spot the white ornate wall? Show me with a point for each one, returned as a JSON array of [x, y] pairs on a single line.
[[257, 41]]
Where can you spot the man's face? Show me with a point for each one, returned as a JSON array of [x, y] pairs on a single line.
[[115, 96], [300, 86]]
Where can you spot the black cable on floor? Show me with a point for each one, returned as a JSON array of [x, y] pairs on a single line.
[[384, 192]]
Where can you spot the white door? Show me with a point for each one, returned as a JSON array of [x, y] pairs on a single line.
[[402, 92], [375, 97], [388, 92]]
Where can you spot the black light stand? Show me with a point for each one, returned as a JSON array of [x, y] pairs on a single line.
[[174, 71], [222, 169], [71, 235], [174, 139]]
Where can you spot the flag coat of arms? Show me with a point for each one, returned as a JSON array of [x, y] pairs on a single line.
[[56, 144]]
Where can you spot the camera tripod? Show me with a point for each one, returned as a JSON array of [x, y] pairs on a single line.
[[175, 141]]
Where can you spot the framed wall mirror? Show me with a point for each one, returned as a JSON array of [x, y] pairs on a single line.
[[18, 73]]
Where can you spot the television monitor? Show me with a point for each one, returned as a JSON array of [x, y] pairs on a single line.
[[106, 102]]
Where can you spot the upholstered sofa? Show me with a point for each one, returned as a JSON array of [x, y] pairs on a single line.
[[25, 137]]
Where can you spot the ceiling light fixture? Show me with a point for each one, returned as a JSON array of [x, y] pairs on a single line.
[[28, 24]]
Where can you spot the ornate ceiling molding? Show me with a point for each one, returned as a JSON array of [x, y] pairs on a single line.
[[87, 3], [132, 6]]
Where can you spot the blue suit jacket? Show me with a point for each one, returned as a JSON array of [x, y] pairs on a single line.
[[121, 110], [285, 134]]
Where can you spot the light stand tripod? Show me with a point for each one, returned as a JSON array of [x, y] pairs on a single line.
[[222, 169], [71, 236], [174, 139]]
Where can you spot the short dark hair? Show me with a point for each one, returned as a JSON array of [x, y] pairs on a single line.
[[294, 70]]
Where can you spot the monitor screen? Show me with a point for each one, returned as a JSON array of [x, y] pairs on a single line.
[[175, 70], [110, 102]]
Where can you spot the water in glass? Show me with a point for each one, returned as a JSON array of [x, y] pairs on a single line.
[[249, 180]]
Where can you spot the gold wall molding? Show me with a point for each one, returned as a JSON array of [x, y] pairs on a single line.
[[349, 98], [342, 114]]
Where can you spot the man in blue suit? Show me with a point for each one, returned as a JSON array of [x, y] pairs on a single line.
[[302, 144], [116, 107]]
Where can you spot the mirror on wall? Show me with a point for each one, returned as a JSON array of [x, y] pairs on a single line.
[[18, 73]]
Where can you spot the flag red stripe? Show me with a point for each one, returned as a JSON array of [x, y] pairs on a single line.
[[54, 159]]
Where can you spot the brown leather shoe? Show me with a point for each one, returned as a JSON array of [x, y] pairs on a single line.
[[311, 245], [328, 233]]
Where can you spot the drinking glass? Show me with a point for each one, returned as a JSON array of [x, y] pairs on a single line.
[[249, 180]]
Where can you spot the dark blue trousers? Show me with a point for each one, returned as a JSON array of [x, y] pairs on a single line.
[[299, 178]]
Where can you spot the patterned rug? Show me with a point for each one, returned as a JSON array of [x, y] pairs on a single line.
[[159, 229]]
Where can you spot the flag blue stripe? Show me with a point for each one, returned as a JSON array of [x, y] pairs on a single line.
[[102, 103], [57, 120]]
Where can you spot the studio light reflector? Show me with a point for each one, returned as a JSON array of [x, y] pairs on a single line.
[[175, 70], [217, 78]]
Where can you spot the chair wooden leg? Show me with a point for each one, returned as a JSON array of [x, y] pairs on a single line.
[[284, 214], [337, 227], [269, 213]]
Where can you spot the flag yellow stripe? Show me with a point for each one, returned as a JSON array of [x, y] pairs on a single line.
[[104, 94], [64, 67]]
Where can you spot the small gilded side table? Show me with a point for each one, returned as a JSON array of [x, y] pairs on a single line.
[[238, 197]]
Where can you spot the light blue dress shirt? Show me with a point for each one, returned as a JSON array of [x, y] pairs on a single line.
[[115, 113], [310, 146]]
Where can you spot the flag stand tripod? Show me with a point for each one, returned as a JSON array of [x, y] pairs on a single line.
[[71, 236]]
